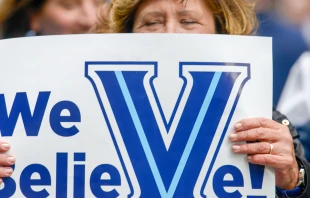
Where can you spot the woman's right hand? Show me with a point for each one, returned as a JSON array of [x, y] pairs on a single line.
[[5, 160]]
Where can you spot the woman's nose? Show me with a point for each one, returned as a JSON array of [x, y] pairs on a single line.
[[173, 26]]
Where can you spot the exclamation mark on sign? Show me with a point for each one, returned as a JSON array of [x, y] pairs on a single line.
[[257, 176]]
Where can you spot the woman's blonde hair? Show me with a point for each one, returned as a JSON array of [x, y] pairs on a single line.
[[231, 16]]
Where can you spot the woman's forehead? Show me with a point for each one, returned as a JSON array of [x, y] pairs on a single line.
[[177, 4]]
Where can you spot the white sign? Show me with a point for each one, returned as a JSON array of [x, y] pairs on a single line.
[[133, 115]]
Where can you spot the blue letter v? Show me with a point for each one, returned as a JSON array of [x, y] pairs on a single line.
[[122, 94]]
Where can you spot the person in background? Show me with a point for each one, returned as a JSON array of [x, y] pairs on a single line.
[[288, 41], [294, 100], [47, 17]]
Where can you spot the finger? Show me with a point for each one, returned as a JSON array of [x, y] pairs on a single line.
[[251, 123], [6, 171], [261, 134], [253, 148], [4, 146], [274, 161], [6, 160]]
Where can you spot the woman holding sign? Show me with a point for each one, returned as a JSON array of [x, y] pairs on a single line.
[[272, 144], [275, 142]]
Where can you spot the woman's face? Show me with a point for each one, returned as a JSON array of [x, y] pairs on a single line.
[[173, 16], [65, 17]]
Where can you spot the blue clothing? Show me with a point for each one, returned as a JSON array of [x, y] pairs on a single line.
[[288, 45]]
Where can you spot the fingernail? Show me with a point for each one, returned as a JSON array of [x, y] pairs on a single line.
[[8, 172], [249, 158], [238, 125], [233, 136], [236, 148], [11, 160], [5, 146]]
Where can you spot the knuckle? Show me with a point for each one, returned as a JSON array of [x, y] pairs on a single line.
[[246, 123], [288, 139], [259, 133], [263, 122], [285, 128], [285, 134], [262, 147], [247, 147]]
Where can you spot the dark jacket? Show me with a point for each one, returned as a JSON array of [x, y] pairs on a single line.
[[299, 150]]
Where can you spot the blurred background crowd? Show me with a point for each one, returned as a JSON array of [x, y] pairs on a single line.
[[286, 21], [47, 17]]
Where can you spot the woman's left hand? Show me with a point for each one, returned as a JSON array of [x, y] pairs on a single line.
[[270, 144]]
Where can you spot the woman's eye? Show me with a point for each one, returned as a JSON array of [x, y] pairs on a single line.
[[188, 21], [151, 23]]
